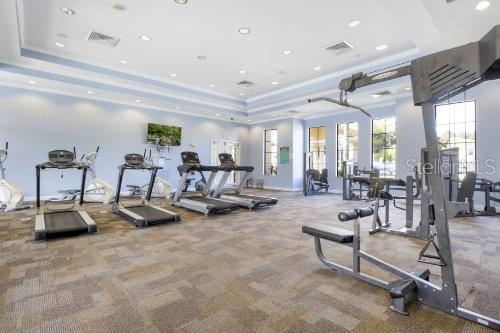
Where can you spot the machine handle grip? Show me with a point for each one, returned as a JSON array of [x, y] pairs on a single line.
[[348, 215], [7, 145], [354, 214], [364, 212], [97, 150]]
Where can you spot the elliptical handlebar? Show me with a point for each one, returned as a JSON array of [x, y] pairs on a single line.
[[350, 215]]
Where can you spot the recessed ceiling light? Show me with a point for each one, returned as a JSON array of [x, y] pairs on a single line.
[[145, 38], [287, 52], [349, 100], [381, 47], [274, 82], [173, 75], [177, 107], [68, 11], [59, 44], [354, 23], [274, 115], [376, 95], [90, 92], [217, 114], [318, 68], [482, 5], [123, 61], [243, 71], [181, 2], [407, 88], [242, 94], [138, 100], [248, 120], [244, 31], [31, 82], [211, 85], [201, 57]]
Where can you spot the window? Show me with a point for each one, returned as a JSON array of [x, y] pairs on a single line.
[[271, 152], [384, 146], [456, 127], [317, 145], [347, 145]]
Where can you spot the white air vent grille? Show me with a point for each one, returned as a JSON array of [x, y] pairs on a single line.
[[245, 83], [339, 48], [103, 39]]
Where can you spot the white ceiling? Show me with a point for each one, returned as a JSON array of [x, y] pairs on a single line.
[[180, 33]]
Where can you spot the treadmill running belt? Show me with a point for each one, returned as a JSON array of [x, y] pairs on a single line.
[[64, 223], [151, 214], [252, 197], [218, 204]]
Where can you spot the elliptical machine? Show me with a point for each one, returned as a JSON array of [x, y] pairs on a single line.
[[11, 196], [98, 190]]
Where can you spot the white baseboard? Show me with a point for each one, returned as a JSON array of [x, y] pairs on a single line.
[[287, 189]]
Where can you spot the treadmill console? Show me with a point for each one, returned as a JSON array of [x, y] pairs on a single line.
[[61, 157], [226, 159], [134, 159], [190, 158]]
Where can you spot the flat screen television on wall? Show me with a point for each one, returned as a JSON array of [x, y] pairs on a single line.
[[164, 135]]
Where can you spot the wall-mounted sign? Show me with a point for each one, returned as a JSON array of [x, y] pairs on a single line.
[[284, 155]]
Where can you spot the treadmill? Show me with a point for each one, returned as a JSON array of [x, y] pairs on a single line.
[[142, 214], [199, 201], [61, 222], [244, 200]]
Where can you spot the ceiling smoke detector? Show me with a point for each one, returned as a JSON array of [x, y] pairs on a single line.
[[103, 39], [339, 48]]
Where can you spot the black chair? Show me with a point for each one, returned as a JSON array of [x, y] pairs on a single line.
[[316, 183]]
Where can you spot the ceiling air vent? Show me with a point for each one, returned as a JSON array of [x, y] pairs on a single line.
[[245, 83], [339, 48], [103, 39]]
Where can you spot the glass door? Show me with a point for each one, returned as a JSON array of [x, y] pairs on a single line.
[[231, 147]]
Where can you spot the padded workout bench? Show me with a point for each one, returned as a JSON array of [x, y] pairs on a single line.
[[401, 289]]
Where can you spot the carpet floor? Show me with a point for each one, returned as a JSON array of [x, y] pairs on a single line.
[[249, 271]]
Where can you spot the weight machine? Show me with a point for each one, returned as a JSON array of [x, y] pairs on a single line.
[[434, 77]]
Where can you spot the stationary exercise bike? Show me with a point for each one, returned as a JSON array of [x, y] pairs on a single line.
[[11, 196], [98, 190]]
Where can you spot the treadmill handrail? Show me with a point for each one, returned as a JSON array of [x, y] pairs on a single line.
[[48, 165], [123, 167], [196, 167]]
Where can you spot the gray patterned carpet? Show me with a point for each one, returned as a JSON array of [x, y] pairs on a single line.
[[244, 272]]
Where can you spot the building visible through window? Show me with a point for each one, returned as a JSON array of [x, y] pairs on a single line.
[[384, 146], [347, 145], [317, 147], [271, 152], [456, 127]]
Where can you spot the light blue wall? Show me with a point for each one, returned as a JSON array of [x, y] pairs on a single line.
[[289, 175], [35, 122]]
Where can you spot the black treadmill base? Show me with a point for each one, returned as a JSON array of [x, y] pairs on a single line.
[[156, 217]]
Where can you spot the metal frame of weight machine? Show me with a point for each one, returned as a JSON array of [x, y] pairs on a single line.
[[436, 77]]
